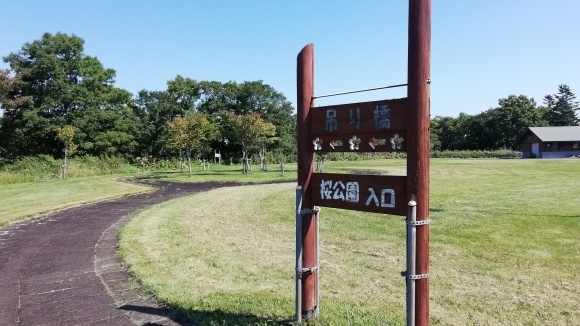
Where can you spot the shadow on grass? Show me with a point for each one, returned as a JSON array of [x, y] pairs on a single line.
[[153, 176], [364, 171], [171, 175], [166, 174], [195, 317]]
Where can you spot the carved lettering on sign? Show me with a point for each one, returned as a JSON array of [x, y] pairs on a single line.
[[391, 198], [337, 190], [331, 121], [367, 193], [352, 192], [354, 119], [372, 196], [382, 115], [326, 189], [387, 198]]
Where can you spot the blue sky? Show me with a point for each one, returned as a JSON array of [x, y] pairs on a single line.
[[481, 50]]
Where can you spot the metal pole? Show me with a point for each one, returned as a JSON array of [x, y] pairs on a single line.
[[419, 56], [305, 90], [298, 266], [411, 256], [317, 313]]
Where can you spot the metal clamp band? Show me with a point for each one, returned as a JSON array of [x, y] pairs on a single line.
[[302, 271], [414, 277], [418, 276], [422, 222]]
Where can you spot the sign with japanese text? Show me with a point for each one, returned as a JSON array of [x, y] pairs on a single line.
[[369, 193], [379, 126], [396, 125]]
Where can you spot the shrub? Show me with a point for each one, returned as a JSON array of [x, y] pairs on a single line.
[[32, 168], [500, 153], [45, 167]]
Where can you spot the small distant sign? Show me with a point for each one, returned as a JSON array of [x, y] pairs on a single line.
[[367, 193]]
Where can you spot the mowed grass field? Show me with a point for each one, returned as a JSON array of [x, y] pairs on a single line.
[[505, 250], [226, 172], [25, 200]]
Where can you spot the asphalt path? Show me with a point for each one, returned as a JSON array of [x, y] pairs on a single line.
[[62, 269]]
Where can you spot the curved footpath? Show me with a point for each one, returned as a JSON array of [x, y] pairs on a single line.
[[63, 269]]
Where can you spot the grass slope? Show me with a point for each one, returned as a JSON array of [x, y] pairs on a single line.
[[20, 201], [505, 250]]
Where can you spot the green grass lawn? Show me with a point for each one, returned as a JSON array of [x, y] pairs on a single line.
[[505, 244], [226, 172], [505, 250], [23, 200], [19, 201]]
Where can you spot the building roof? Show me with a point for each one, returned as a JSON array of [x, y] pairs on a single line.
[[563, 133]]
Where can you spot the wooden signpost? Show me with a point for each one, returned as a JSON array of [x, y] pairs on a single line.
[[396, 125]]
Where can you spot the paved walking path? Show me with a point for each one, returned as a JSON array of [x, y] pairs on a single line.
[[63, 269]]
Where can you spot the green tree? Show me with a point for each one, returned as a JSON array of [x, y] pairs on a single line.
[[11, 104], [452, 133], [493, 129], [64, 86], [184, 92], [258, 97], [507, 122], [10, 99], [191, 133], [158, 108], [251, 97], [185, 96], [66, 134], [112, 130], [562, 107], [435, 143], [248, 130]]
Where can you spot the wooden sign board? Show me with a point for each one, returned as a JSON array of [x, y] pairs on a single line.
[[368, 193], [378, 126]]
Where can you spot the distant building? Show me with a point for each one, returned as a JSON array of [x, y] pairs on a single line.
[[551, 142]]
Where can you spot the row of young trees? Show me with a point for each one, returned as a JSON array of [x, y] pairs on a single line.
[[195, 132], [53, 84], [501, 127]]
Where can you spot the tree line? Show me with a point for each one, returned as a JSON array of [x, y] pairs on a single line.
[[58, 101], [53, 85], [501, 127]]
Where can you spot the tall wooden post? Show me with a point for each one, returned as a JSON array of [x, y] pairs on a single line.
[[305, 83], [418, 141]]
